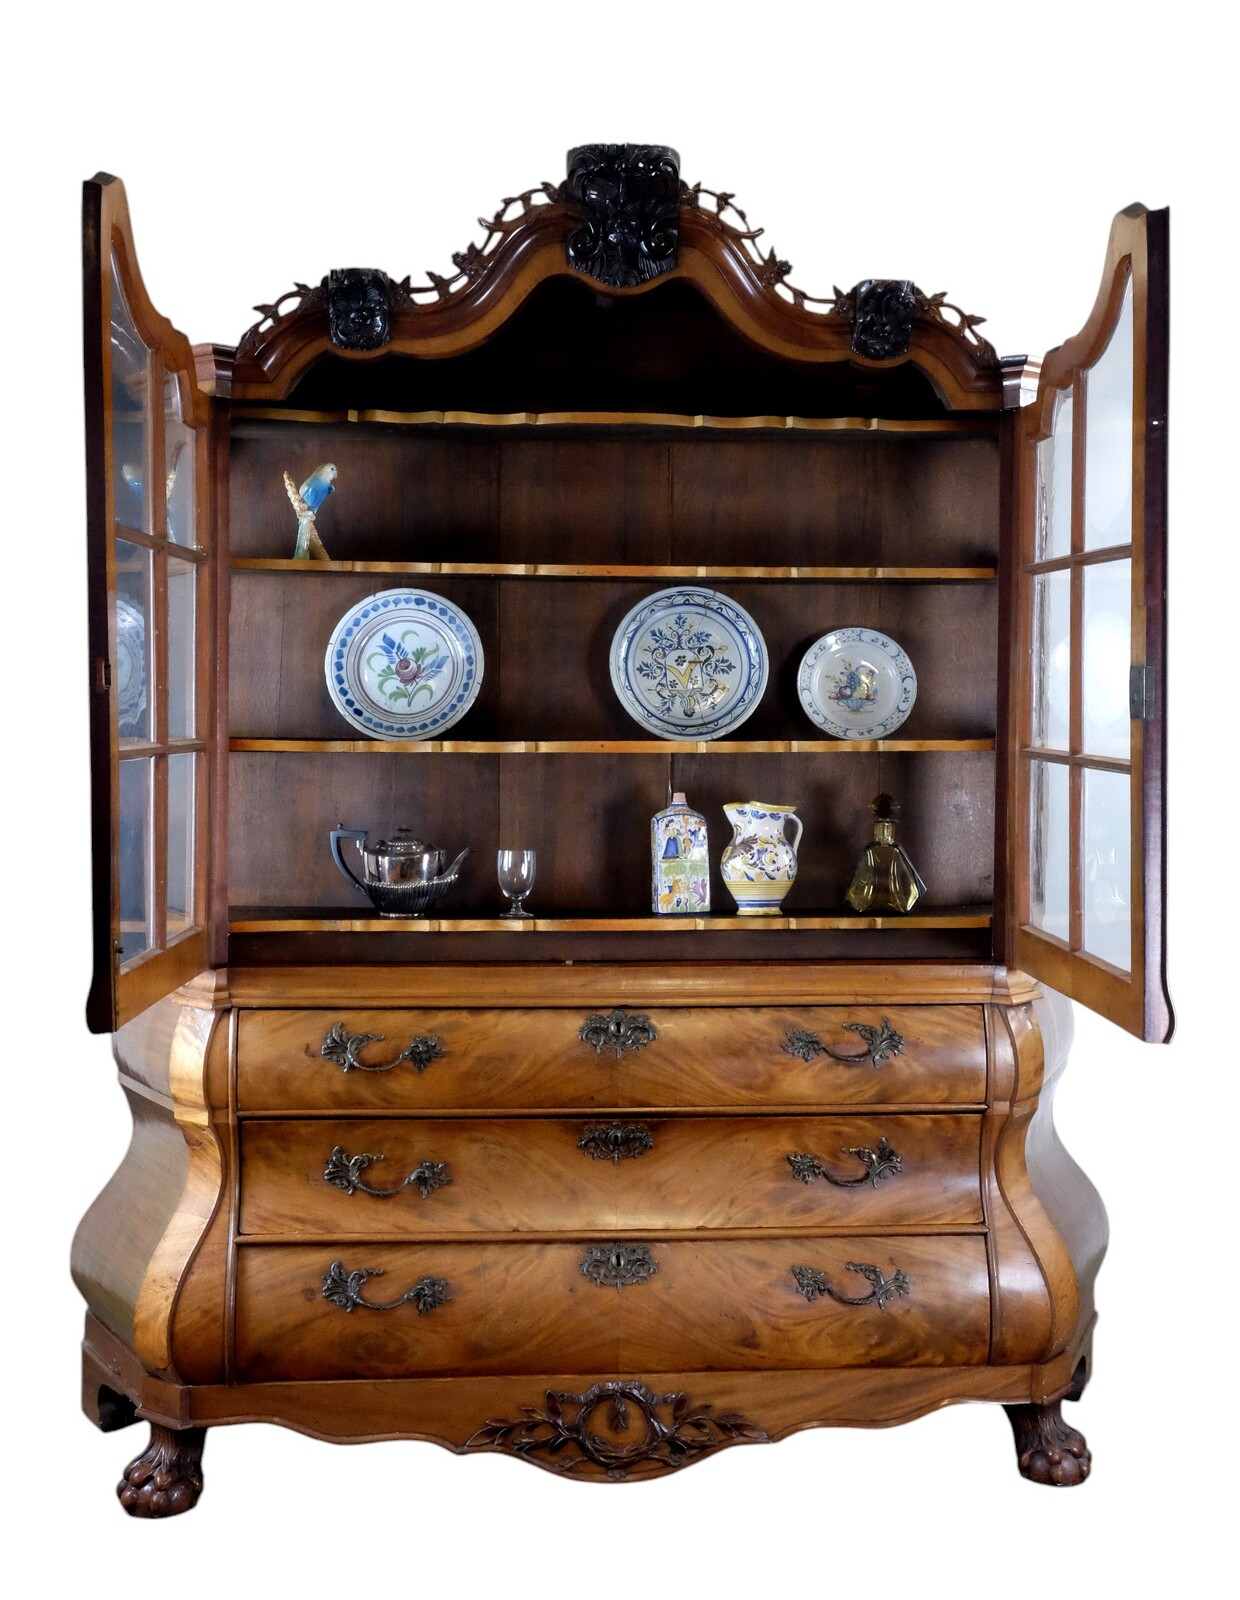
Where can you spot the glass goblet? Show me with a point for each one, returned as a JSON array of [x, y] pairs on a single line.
[[516, 877]]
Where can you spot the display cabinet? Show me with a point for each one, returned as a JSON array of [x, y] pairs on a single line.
[[604, 1189]]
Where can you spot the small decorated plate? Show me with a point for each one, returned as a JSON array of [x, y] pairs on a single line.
[[856, 684], [404, 664], [688, 664], [130, 670]]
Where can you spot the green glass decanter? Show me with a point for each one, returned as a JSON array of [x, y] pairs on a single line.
[[885, 878]]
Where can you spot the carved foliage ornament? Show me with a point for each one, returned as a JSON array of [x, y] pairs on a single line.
[[344, 1289], [878, 1164], [624, 211], [344, 1048], [618, 1266], [565, 1433], [816, 1285], [614, 1141], [617, 1031], [881, 1044], [344, 1171]]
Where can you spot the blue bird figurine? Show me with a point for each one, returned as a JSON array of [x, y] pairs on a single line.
[[306, 502]]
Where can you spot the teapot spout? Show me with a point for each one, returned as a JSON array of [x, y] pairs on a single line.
[[358, 835], [451, 873]]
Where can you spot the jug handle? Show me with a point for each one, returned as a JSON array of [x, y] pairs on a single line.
[[358, 835], [796, 843], [452, 870]]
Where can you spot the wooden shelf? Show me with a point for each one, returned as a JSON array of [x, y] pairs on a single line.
[[985, 425], [606, 747], [516, 569], [293, 920]]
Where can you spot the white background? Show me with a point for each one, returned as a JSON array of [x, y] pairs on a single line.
[[980, 149]]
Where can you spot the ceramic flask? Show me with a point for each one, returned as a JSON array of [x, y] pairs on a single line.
[[679, 860], [760, 864]]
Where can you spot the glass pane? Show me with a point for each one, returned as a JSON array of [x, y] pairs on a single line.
[[135, 857], [1108, 438], [1052, 659], [1106, 867], [182, 774], [182, 586], [1048, 847], [1053, 535], [178, 468], [1107, 649], [130, 371], [133, 640]]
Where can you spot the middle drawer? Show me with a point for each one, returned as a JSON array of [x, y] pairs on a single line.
[[438, 1176]]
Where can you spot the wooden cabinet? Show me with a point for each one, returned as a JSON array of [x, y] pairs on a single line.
[[608, 1190]]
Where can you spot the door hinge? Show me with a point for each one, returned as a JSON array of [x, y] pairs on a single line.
[[103, 675], [1141, 693]]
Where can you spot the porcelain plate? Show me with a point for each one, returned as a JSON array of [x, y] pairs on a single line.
[[856, 684]]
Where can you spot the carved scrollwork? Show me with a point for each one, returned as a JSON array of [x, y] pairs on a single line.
[[471, 264], [878, 1164], [617, 1031], [566, 1433], [881, 1044], [618, 1266], [623, 202], [616, 1140], [345, 1172], [772, 274], [816, 1285], [344, 1048], [344, 1289]]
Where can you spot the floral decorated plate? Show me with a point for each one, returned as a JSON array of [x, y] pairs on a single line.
[[404, 664], [856, 684], [130, 669], [688, 664]]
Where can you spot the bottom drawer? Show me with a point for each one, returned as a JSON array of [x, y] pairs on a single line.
[[397, 1311]]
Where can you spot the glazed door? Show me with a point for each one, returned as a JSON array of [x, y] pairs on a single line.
[[149, 612], [1087, 758]]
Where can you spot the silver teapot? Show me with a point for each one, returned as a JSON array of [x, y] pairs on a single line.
[[402, 876]]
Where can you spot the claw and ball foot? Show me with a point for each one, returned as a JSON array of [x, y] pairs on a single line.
[[166, 1478], [1047, 1449]]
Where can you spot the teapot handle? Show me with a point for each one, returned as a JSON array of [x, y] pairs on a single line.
[[358, 835], [800, 827]]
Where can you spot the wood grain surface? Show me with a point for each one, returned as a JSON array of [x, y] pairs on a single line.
[[522, 1308], [532, 1175], [515, 1059]]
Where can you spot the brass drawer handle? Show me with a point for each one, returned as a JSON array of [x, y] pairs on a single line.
[[814, 1285], [618, 1266], [879, 1164], [345, 1172], [614, 1141], [881, 1044], [344, 1289], [617, 1031], [343, 1048]]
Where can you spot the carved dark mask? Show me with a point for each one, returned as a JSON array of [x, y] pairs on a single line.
[[884, 317], [359, 308], [625, 204]]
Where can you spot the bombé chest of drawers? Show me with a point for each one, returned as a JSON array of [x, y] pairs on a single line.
[[606, 1191]]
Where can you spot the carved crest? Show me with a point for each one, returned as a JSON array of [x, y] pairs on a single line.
[[624, 211], [359, 308]]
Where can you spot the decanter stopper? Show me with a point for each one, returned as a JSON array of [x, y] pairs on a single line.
[[885, 879]]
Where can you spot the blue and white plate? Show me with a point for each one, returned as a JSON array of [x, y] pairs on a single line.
[[688, 664], [404, 664], [856, 684]]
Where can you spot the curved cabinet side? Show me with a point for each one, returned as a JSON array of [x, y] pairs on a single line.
[[134, 1246], [1047, 1221]]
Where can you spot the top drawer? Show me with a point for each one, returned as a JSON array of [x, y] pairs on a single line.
[[756, 1058]]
